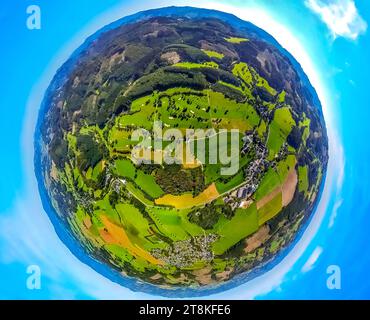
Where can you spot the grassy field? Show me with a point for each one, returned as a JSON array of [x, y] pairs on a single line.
[[281, 97], [123, 255], [214, 54], [192, 65], [229, 85], [137, 227], [125, 168], [205, 109], [305, 124], [115, 234], [236, 40], [173, 223], [187, 200], [211, 172], [242, 71], [231, 110], [251, 77], [244, 223], [138, 194], [303, 179], [103, 207], [269, 182], [279, 130], [270, 210], [284, 166], [140, 117], [234, 182], [147, 183], [120, 139], [262, 128], [262, 83]]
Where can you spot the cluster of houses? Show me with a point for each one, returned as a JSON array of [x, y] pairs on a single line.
[[253, 173], [187, 252], [255, 170]]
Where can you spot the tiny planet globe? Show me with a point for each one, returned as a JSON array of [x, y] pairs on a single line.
[[181, 148]]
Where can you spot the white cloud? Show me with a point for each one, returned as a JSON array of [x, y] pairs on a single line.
[[341, 17], [310, 264], [334, 213]]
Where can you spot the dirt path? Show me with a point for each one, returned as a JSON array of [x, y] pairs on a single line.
[[289, 187], [256, 240]]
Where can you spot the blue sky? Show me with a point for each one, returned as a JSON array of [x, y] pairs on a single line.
[[329, 38]]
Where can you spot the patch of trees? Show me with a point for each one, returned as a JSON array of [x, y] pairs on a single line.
[[100, 181], [91, 151], [149, 168], [295, 137], [66, 201], [319, 146], [209, 215], [175, 180], [166, 79], [114, 197], [188, 53], [289, 213], [59, 151], [205, 217], [237, 250], [227, 211], [263, 94], [229, 92], [313, 173]]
